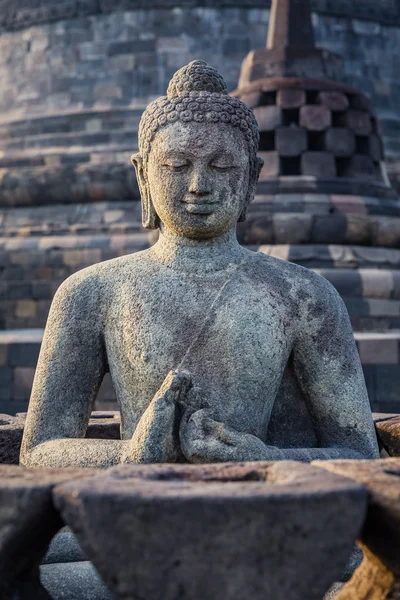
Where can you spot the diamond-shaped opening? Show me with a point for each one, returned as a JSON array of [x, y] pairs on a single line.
[[312, 96], [375, 125], [267, 141], [316, 141], [339, 118], [291, 116], [290, 165], [268, 99], [342, 167], [362, 144]]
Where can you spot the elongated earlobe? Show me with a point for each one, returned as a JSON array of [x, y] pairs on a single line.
[[253, 180], [150, 218]]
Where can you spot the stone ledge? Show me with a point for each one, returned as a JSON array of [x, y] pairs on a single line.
[[379, 574], [174, 511]]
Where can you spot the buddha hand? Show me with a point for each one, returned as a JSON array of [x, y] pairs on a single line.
[[204, 440], [156, 438]]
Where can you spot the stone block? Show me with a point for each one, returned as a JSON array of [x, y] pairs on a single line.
[[378, 351], [41, 290], [131, 47], [290, 141], [268, 117], [387, 386], [359, 121], [28, 521], [3, 354], [23, 380], [257, 229], [346, 281], [318, 164], [379, 307], [377, 283], [292, 229], [11, 431], [171, 512], [315, 117], [340, 141], [335, 101], [388, 431], [235, 45], [288, 98], [379, 574], [6, 383], [329, 229], [360, 229], [104, 425], [24, 355], [362, 165], [271, 167], [25, 308]]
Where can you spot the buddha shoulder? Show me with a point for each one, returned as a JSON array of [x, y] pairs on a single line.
[[88, 291], [307, 293]]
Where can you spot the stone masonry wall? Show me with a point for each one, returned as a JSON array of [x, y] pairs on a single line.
[[118, 60]]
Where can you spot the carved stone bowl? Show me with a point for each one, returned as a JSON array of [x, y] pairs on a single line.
[[231, 531]]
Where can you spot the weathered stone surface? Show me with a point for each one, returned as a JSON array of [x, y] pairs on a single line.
[[64, 548], [315, 117], [359, 121], [268, 117], [205, 327], [318, 164], [28, 521], [340, 141], [379, 573], [288, 98], [290, 141], [73, 581], [389, 434], [336, 101], [361, 165], [170, 514], [11, 431], [104, 425]]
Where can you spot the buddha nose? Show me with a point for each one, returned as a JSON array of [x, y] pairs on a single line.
[[200, 183]]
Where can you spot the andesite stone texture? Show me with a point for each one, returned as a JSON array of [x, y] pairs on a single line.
[[200, 335], [379, 574], [282, 531], [28, 521]]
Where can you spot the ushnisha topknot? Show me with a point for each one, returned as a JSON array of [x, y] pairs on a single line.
[[197, 92], [197, 76]]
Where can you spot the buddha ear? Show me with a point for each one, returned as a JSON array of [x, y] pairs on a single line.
[[253, 180], [150, 218]]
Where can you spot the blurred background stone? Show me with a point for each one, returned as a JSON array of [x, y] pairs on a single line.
[[75, 79]]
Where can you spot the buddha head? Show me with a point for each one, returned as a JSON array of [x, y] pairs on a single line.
[[197, 165]]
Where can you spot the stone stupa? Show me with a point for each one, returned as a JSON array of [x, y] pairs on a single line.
[[324, 199]]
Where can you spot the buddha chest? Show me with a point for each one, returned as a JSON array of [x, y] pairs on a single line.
[[231, 333]]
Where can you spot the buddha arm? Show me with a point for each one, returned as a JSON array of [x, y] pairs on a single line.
[[70, 369], [328, 369]]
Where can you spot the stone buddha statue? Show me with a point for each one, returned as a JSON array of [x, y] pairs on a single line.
[[216, 353]]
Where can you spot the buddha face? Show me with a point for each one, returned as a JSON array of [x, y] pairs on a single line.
[[197, 177]]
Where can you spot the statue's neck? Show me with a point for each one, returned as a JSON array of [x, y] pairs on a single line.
[[198, 256]]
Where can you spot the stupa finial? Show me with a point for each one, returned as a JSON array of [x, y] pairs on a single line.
[[290, 24]]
